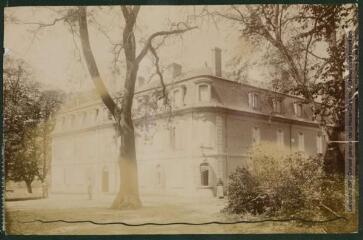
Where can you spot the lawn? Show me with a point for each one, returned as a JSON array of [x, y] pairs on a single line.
[[156, 209]]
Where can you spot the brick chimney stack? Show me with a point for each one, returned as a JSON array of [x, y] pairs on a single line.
[[175, 70], [217, 61]]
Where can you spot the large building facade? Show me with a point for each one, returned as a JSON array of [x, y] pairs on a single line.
[[199, 137]]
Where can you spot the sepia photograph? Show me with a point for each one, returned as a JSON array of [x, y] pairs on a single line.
[[180, 119]]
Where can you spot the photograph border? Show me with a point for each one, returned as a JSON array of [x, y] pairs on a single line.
[[18, 3]]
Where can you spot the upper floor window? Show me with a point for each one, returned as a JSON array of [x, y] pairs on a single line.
[[301, 142], [280, 137], [253, 100], [105, 113], [276, 105], [63, 121], [97, 113], [84, 118], [73, 119], [205, 133], [298, 109], [204, 93], [319, 143], [109, 115], [177, 137], [256, 135]]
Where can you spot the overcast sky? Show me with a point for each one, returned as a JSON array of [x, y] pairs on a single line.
[[53, 54]]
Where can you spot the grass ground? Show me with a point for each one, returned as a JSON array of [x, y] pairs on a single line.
[[155, 209]]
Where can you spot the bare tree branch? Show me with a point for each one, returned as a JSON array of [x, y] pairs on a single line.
[[148, 43], [158, 72]]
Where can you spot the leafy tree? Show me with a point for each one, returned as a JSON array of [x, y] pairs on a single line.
[[331, 20], [49, 102], [27, 110], [297, 33]]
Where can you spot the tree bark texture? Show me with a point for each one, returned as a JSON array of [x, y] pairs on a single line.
[[128, 194]]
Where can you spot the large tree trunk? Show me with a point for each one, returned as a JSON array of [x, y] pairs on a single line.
[[334, 156], [29, 186], [128, 194]]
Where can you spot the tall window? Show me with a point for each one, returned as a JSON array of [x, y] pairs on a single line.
[[301, 142], [203, 93], [319, 143], [178, 97], [256, 135], [73, 119], [276, 105], [97, 113], [177, 137], [205, 131], [63, 121], [280, 137], [84, 118], [298, 109], [253, 100]]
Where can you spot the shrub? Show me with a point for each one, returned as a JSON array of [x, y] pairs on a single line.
[[276, 182]]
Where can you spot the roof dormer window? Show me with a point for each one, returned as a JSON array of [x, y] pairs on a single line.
[[253, 100], [204, 92], [276, 105], [298, 109]]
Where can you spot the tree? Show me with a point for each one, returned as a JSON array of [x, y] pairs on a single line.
[[26, 113], [297, 34], [78, 19], [20, 115], [331, 21], [49, 103], [128, 194]]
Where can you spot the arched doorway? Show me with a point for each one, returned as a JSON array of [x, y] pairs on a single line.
[[204, 174]]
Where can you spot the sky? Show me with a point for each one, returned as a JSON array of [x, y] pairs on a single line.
[[54, 54]]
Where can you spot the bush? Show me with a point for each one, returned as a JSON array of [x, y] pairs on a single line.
[[276, 182]]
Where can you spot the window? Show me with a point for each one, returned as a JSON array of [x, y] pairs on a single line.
[[301, 142], [73, 119], [253, 100], [256, 135], [204, 174], [276, 105], [319, 143], [203, 93], [63, 121], [84, 117], [109, 115], [280, 137], [178, 97], [177, 137], [298, 109], [205, 131]]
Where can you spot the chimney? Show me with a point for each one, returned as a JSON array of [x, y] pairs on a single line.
[[217, 61], [175, 70], [140, 81]]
